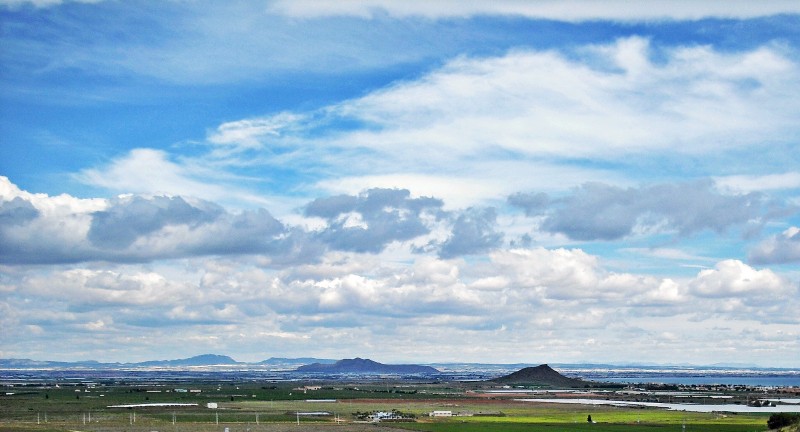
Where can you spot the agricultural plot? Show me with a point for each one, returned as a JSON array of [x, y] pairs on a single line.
[[276, 407]]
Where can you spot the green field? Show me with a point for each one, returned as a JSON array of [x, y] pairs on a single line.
[[273, 407]]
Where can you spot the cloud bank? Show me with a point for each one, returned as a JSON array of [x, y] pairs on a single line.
[[504, 181]]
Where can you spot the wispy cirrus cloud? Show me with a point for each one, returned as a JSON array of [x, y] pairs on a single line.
[[540, 112], [570, 10], [536, 177]]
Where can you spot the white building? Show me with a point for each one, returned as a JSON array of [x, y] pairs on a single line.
[[440, 414]]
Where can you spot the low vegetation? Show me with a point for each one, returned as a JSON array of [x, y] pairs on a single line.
[[260, 406], [781, 420]]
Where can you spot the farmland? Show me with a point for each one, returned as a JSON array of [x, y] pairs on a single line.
[[276, 406]]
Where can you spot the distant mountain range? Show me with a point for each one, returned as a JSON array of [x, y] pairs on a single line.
[[365, 366], [307, 365], [542, 375], [200, 360], [285, 363], [295, 361]]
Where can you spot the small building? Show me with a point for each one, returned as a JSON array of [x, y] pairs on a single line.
[[440, 414], [383, 415], [212, 405]]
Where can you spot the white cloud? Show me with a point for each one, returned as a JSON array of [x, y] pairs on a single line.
[[41, 229], [780, 248], [469, 183], [151, 172], [766, 182], [480, 127], [517, 303], [250, 133], [734, 279], [109, 288], [542, 103], [483, 128], [42, 3], [59, 227], [567, 10]]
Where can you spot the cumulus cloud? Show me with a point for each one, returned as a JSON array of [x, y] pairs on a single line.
[[598, 211], [733, 278], [46, 228], [106, 288], [373, 219], [783, 248], [140, 228], [126, 219], [522, 296], [65, 229], [532, 203], [473, 232], [17, 211]]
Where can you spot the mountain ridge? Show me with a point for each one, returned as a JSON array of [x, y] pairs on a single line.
[[198, 360], [359, 365], [23, 363]]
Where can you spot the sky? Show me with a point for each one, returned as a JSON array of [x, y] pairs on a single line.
[[407, 181]]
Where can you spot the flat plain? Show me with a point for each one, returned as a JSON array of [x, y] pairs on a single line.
[[264, 406]]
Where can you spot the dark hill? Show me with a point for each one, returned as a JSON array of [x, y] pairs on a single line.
[[359, 365], [297, 360], [542, 375], [201, 360]]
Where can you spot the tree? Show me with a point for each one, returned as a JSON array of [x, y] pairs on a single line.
[[779, 420], [589, 419]]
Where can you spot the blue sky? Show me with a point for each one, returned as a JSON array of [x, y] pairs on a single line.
[[492, 182]]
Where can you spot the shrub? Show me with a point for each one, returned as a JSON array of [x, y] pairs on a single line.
[[779, 420]]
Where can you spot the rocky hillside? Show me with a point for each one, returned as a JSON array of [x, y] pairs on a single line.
[[542, 375]]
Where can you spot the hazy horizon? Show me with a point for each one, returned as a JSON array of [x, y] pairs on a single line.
[[579, 364], [483, 182]]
